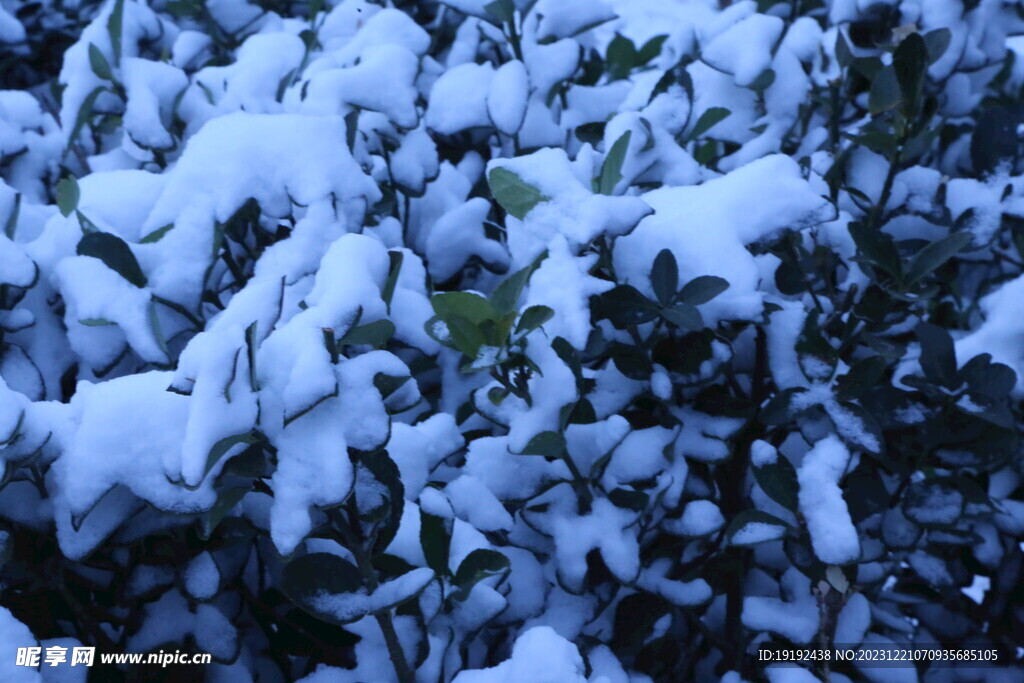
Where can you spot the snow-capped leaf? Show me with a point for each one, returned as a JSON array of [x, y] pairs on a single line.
[[115, 253], [513, 194], [478, 565]]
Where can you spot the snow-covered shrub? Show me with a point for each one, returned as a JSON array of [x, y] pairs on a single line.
[[551, 340]]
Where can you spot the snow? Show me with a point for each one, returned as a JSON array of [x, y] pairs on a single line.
[[745, 48], [763, 453], [507, 97], [833, 535], [349, 606], [202, 577], [757, 532], [707, 227], [795, 618], [459, 99], [125, 410], [700, 518], [572, 210], [539, 655]]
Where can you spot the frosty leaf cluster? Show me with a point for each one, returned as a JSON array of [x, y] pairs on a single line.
[[479, 341]]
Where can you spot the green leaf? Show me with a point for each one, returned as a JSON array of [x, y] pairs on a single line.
[[651, 49], [375, 334], [505, 297], [937, 42], [306, 577], [844, 55], [84, 113], [778, 411], [471, 307], [684, 316], [502, 10], [435, 541], [96, 322], [385, 519], [938, 356], [703, 289], [748, 517], [620, 57], [778, 480], [885, 91], [115, 253], [514, 195], [533, 317], [156, 235], [68, 195], [859, 379], [763, 80], [115, 26], [226, 500], [388, 291], [465, 335], [611, 170], [548, 444], [878, 248], [389, 384], [99, 64], [624, 305], [711, 117], [994, 141], [935, 255], [478, 565], [909, 63], [224, 445], [665, 277]]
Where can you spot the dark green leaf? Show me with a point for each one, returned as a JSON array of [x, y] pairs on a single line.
[[624, 305], [708, 120], [115, 26], [777, 410], [935, 255], [860, 378], [515, 195], [502, 10], [665, 277], [472, 307], [885, 91], [550, 444], [748, 517], [994, 141], [478, 565], [909, 64], [650, 49], [156, 235], [703, 289], [611, 170], [224, 445], [375, 334], [384, 471], [878, 248], [99, 64], [620, 57], [388, 292], [67, 195], [115, 253], [937, 42], [684, 316], [533, 317], [778, 480], [843, 53], [435, 541], [938, 356]]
